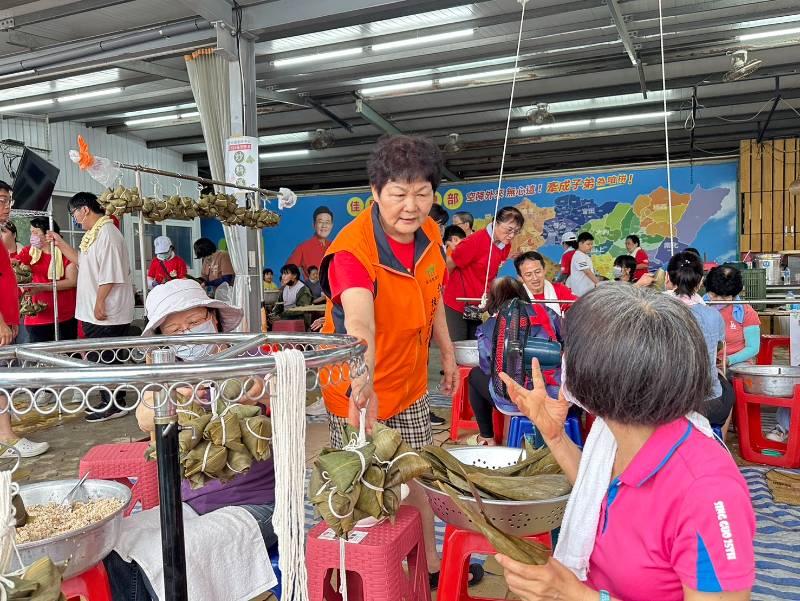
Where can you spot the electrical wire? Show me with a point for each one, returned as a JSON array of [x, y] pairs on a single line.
[[505, 146], [666, 128]]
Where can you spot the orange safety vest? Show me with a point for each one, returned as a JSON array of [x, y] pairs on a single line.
[[405, 304]]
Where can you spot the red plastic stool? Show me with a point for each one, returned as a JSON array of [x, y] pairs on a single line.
[[289, 325], [91, 585], [752, 442], [462, 417], [125, 463], [459, 545], [375, 565], [769, 342]]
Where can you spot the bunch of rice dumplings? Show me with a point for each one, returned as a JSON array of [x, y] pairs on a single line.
[[536, 476], [222, 444], [363, 480]]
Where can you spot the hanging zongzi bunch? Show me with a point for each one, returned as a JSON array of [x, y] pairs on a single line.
[[222, 444], [363, 480]]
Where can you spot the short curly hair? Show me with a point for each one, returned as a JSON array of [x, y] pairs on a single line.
[[404, 159], [724, 280]]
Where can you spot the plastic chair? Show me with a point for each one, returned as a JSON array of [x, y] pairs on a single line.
[[753, 445], [91, 585], [125, 463], [521, 426], [459, 545], [462, 417], [769, 342], [375, 569], [289, 325]]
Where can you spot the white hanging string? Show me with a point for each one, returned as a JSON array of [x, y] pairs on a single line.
[[289, 427], [8, 546], [666, 129], [503, 158]]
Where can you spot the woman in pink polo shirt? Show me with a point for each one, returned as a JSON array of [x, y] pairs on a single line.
[[659, 510]]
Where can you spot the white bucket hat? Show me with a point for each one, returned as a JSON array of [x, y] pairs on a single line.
[[181, 295], [162, 244]]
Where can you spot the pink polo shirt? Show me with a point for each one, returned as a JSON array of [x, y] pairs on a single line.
[[679, 515]]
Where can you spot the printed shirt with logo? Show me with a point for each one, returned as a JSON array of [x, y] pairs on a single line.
[[164, 271], [679, 515]]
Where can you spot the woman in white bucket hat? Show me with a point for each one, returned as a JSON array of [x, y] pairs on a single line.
[[181, 307]]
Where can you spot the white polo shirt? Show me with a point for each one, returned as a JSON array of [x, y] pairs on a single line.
[[578, 280]]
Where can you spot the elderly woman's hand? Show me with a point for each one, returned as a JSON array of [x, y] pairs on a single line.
[[546, 413], [538, 583]]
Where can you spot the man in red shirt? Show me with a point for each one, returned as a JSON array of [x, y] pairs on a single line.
[[9, 326], [531, 271], [639, 254], [569, 242], [311, 251], [166, 265]]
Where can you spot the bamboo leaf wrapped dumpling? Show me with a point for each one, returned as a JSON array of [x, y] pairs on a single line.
[[344, 468], [223, 429], [256, 435], [207, 458], [406, 465], [371, 497], [386, 441], [191, 433]]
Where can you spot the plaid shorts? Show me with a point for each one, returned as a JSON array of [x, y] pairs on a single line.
[[414, 425]]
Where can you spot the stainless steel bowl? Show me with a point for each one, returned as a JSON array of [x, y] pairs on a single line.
[[272, 296], [768, 380], [521, 518], [467, 353], [80, 549]]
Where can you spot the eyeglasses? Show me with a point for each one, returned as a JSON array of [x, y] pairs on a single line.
[[508, 229], [6, 201], [193, 322]]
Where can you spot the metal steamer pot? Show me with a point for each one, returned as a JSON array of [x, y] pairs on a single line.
[[772, 264], [768, 380], [77, 550]]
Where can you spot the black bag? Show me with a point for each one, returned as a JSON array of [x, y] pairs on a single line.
[[471, 312]]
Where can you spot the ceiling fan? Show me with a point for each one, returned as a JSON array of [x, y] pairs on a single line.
[[741, 66]]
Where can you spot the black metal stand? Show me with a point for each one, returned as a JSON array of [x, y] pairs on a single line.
[[169, 489]]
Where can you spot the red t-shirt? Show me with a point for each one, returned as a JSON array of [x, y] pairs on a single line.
[[9, 297], [734, 331], [563, 293], [176, 269], [345, 271], [566, 262], [471, 257], [309, 253], [641, 257], [66, 298]]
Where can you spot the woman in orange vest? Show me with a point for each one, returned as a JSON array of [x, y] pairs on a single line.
[[383, 277]]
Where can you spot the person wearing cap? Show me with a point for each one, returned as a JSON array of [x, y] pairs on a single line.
[[166, 265], [176, 308], [311, 251], [9, 327], [569, 242]]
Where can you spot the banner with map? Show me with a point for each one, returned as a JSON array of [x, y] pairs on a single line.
[[608, 203]]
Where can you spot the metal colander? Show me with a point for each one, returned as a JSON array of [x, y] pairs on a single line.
[[520, 518]]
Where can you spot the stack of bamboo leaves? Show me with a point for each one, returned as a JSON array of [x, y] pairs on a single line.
[[536, 476], [350, 484], [41, 581], [222, 444], [785, 486]]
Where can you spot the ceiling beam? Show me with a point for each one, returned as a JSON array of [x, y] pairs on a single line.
[[213, 11], [379, 121], [142, 66], [303, 102], [627, 43], [30, 13], [290, 17]]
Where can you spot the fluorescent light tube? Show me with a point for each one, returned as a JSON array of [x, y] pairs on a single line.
[[768, 34], [25, 105], [283, 155], [424, 39], [547, 126], [320, 56], [299, 136], [18, 74], [637, 117], [84, 95], [396, 87], [160, 109], [190, 115], [477, 76], [152, 120]]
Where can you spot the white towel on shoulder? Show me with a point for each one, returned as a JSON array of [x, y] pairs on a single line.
[[582, 516], [550, 295], [225, 553]]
